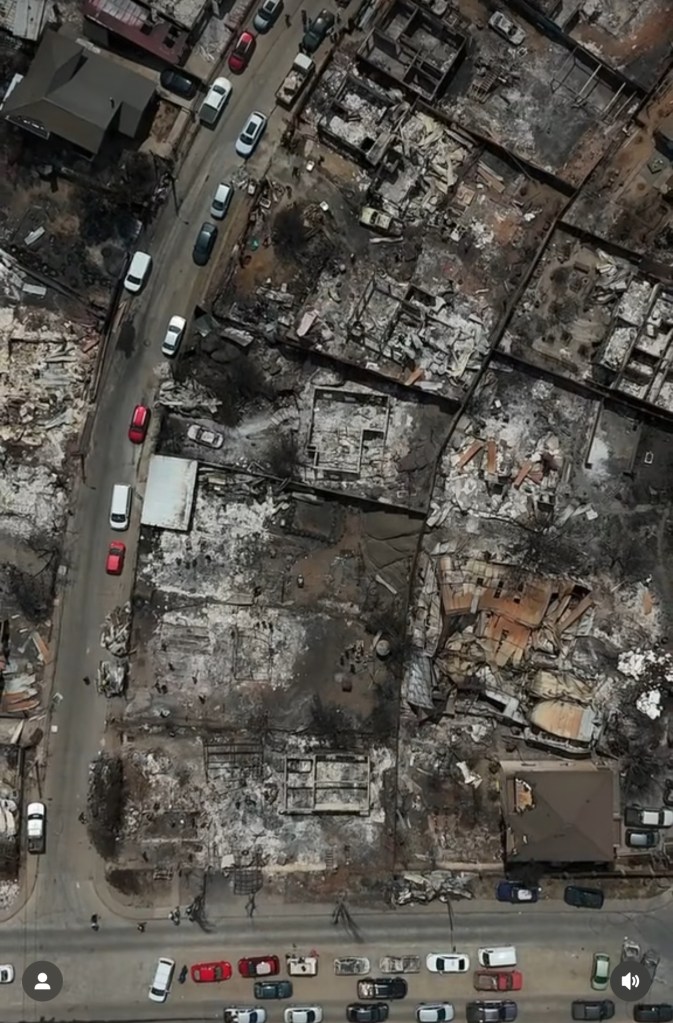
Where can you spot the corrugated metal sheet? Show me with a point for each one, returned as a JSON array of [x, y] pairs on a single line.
[[169, 494]]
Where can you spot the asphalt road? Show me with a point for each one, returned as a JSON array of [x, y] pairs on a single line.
[[63, 894]]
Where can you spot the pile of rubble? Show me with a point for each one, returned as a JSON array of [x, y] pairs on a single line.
[[423, 888]]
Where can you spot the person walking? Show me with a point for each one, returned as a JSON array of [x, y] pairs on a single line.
[[288, 21], [141, 927]]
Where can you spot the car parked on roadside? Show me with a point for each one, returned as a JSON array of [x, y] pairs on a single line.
[[651, 960], [600, 971], [246, 143], [179, 83], [506, 28], [641, 839], [6, 973], [211, 973], [489, 980], [583, 898], [140, 421], [447, 962], [640, 817], [204, 244], [253, 966], [661, 1013], [267, 15], [630, 950], [303, 1014], [116, 553], [210, 439], [138, 272], [224, 193], [273, 989], [215, 101], [239, 58], [514, 891], [357, 1012], [586, 1009], [435, 1012], [491, 1012], [173, 336], [382, 988], [317, 31]]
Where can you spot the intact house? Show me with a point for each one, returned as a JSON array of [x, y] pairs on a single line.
[[559, 813], [79, 97]]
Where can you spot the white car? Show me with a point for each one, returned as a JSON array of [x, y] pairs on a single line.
[[6, 973], [243, 1015], [507, 28], [447, 962], [267, 14], [221, 201], [216, 100], [137, 273], [251, 134], [209, 439], [434, 1012], [161, 981], [303, 1014], [173, 336]]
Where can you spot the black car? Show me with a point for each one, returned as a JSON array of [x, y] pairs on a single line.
[[584, 898], [179, 83], [317, 31], [662, 1013], [603, 1009], [491, 1012], [273, 989], [372, 1013], [651, 960], [378, 988], [205, 241]]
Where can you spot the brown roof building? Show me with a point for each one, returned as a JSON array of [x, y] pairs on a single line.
[[559, 811], [78, 95]]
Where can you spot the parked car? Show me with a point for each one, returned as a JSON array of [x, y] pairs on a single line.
[[173, 336], [642, 839], [216, 100], [267, 15], [204, 244], [138, 272], [640, 817], [211, 439], [239, 58], [487, 980], [382, 988], [140, 420], [356, 1012], [178, 82], [651, 960], [273, 989], [593, 1010], [434, 1012], [661, 1013], [303, 1014], [514, 891], [490, 1012], [449, 962], [161, 980], [600, 971], [241, 1014], [116, 553], [351, 966], [6, 973], [253, 130], [221, 201], [630, 950], [583, 898], [210, 973], [507, 28], [317, 31]]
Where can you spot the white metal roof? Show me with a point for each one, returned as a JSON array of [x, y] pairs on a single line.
[[169, 494]]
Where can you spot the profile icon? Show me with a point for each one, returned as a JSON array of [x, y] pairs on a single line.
[[42, 983]]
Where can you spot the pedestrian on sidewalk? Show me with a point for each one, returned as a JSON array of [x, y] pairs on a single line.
[[288, 20], [94, 922], [304, 20], [141, 927]]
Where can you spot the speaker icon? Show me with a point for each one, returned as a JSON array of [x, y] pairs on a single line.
[[630, 980]]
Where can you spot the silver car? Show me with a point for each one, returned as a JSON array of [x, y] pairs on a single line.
[[267, 15], [202, 435], [251, 134]]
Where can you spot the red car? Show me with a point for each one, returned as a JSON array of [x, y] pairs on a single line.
[[210, 973], [484, 980], [242, 52], [114, 563], [259, 966], [139, 422]]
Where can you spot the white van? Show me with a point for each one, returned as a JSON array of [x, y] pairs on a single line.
[[496, 958], [120, 506], [161, 984]]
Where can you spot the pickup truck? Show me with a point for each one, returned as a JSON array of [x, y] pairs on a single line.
[[36, 819], [295, 80], [352, 966], [244, 1015], [400, 964], [377, 220], [377, 989]]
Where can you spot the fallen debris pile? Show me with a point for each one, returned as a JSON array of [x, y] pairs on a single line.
[[116, 632], [111, 678], [424, 888]]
